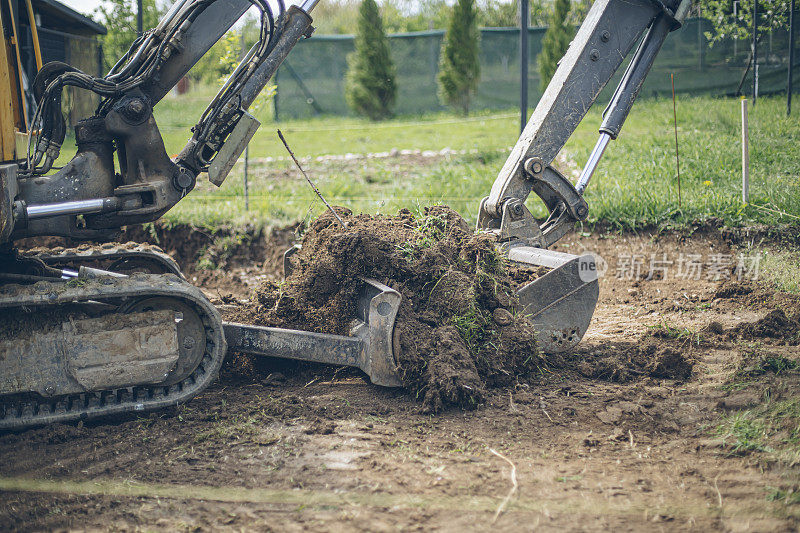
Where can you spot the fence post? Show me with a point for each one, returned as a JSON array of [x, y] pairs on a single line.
[[524, 22], [139, 18], [745, 154], [701, 45], [755, 51], [791, 60]]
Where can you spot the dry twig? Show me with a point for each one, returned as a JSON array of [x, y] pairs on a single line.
[[513, 475]]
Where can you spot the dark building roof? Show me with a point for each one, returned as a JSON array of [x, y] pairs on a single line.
[[57, 16]]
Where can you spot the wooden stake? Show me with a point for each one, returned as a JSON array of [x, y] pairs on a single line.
[[677, 155], [745, 154], [246, 185]]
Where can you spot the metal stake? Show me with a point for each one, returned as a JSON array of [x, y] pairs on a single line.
[[791, 60], [524, 22], [246, 188], [139, 18], [755, 51], [313, 187], [677, 156]]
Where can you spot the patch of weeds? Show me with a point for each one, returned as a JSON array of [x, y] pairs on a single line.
[[236, 429], [429, 229], [474, 327], [772, 428], [742, 433], [780, 267], [221, 250], [150, 229], [790, 496], [665, 331], [77, 282], [777, 364], [755, 364]]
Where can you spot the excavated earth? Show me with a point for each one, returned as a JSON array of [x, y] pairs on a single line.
[[457, 328], [619, 434]]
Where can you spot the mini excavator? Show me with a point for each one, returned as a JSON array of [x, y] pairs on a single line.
[[104, 329]]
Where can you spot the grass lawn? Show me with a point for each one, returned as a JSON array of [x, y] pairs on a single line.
[[635, 185]]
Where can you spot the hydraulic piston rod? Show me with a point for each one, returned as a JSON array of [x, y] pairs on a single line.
[[77, 207], [594, 160], [628, 89]]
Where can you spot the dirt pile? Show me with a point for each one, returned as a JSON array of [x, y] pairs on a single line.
[[651, 356], [459, 333], [649, 359], [775, 325]]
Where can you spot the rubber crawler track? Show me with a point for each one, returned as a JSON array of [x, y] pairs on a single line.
[[21, 411], [99, 254]]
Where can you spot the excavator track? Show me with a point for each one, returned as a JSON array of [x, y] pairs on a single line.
[[124, 298], [122, 258]]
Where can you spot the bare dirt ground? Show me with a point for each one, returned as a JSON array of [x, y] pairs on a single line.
[[601, 443]]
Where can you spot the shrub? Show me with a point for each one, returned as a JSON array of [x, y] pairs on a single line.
[[459, 67], [370, 87], [555, 42]]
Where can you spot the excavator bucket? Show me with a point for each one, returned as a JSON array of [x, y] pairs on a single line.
[[561, 303]]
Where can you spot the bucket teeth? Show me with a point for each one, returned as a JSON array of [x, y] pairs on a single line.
[[561, 303]]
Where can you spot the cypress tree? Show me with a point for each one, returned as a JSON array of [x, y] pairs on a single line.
[[555, 42], [370, 88], [459, 65]]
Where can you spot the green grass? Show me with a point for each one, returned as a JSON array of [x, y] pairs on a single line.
[[340, 135], [787, 496], [782, 269], [772, 428], [755, 364], [635, 185]]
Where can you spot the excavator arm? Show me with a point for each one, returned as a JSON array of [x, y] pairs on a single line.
[[121, 173], [561, 303], [605, 39]]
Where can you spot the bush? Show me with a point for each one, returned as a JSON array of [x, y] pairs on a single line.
[[370, 87], [459, 67], [555, 42]]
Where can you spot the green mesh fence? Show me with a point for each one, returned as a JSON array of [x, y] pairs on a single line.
[[311, 81]]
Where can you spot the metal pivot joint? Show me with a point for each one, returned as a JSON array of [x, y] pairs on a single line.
[[608, 34]]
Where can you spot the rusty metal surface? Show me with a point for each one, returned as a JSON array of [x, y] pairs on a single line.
[[104, 295]]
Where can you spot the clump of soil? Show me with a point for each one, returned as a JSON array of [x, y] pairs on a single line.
[[459, 332], [646, 358], [775, 325]]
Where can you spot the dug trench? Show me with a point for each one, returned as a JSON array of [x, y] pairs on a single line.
[[676, 408]]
